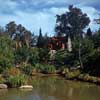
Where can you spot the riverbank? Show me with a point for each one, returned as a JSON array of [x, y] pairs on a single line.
[[14, 78], [79, 76]]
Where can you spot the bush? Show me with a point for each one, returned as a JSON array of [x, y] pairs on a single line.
[[34, 56], [11, 71], [2, 80], [49, 69], [92, 65], [22, 55], [63, 57], [27, 69], [44, 55], [17, 80], [6, 53], [39, 66]]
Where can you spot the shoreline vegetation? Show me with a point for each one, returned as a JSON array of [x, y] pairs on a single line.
[[16, 79], [70, 52]]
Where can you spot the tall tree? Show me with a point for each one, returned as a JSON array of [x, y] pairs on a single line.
[[11, 28], [72, 22], [89, 33], [40, 41], [96, 36], [27, 38]]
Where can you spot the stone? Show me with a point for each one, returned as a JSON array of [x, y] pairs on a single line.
[[3, 86], [26, 87]]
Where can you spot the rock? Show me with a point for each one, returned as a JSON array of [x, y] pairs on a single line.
[[26, 87], [3, 86]]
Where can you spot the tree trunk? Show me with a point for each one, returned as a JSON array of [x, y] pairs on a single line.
[[80, 59]]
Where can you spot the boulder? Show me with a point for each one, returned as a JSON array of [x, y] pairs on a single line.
[[3, 86], [26, 87]]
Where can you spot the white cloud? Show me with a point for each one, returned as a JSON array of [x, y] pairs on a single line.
[[92, 14], [34, 17]]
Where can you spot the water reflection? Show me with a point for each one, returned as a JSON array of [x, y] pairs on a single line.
[[47, 88], [3, 91]]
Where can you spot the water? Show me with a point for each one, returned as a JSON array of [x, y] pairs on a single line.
[[53, 88]]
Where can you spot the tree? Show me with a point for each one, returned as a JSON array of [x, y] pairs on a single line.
[[40, 41], [96, 36], [33, 40], [71, 23], [97, 20], [27, 37], [22, 55], [46, 41], [11, 28], [89, 33], [23, 35], [96, 39]]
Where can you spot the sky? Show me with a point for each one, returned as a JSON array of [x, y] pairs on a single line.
[[34, 14]]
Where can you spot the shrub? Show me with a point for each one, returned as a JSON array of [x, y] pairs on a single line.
[[17, 80], [49, 69], [34, 56], [44, 55], [6, 53], [63, 57], [11, 71], [22, 55], [37, 68], [27, 69], [2, 80]]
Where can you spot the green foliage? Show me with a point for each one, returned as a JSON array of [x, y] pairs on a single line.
[[40, 41], [17, 80], [11, 28], [39, 66], [44, 55], [6, 53], [92, 65], [89, 33], [87, 49], [72, 22], [63, 57], [2, 80], [60, 56], [27, 69], [22, 55], [34, 56], [96, 39], [49, 69]]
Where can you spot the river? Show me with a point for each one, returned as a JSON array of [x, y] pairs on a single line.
[[53, 88]]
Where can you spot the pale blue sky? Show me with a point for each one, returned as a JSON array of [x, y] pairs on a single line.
[[34, 14]]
